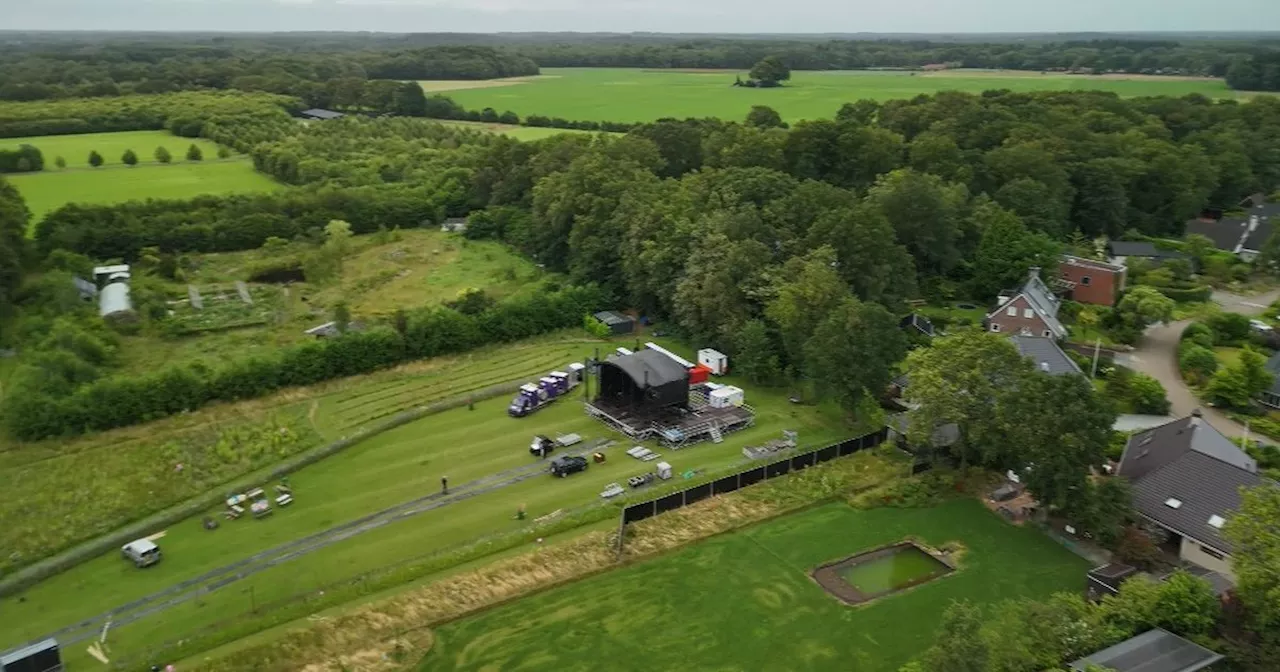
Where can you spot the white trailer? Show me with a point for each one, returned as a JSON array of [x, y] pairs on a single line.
[[726, 396], [715, 360]]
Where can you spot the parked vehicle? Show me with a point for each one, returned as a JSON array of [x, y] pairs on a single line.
[[142, 552], [568, 464], [541, 446]]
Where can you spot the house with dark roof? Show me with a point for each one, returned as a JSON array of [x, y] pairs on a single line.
[[1121, 251], [1271, 397], [1186, 478], [1091, 281], [317, 114], [1242, 236], [1155, 650], [1107, 579], [1029, 311], [1045, 354]]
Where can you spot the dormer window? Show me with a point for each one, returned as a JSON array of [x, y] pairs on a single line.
[[1216, 521], [1173, 503]]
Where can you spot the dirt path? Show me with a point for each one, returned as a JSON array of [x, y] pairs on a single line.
[[1158, 357]]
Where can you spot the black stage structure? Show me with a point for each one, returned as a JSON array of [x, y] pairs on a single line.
[[646, 395]]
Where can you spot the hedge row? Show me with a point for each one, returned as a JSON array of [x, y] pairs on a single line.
[[93, 548], [126, 400], [1196, 293], [229, 223]]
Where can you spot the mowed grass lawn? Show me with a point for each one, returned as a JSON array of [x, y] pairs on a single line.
[[628, 95], [744, 601], [116, 182], [388, 469], [75, 148]]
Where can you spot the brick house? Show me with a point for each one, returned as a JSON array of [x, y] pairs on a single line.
[[1089, 281], [1029, 311]]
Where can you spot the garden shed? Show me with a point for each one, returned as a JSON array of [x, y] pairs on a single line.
[[617, 322]]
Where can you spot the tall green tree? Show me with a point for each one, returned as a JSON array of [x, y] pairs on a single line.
[[1242, 381], [14, 217], [926, 213], [95, 159], [1056, 429], [763, 116], [958, 646], [1006, 250], [162, 155], [770, 70], [961, 379], [1255, 535], [809, 289], [194, 153], [853, 352], [755, 355], [129, 158], [868, 256]]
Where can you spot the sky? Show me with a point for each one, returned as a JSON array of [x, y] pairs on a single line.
[[689, 16]]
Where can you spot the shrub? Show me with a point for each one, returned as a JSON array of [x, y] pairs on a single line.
[[1136, 548], [1200, 334], [1147, 396], [1197, 362], [1188, 294], [1229, 328]]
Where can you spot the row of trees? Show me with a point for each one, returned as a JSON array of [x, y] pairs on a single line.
[[14, 217], [40, 71], [186, 114], [61, 389], [162, 155]]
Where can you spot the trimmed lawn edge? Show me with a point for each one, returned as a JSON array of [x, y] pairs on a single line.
[[34, 573]]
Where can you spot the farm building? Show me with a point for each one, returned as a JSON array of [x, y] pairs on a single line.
[[318, 114], [617, 322], [113, 292]]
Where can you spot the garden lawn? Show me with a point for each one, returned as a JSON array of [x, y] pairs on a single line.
[[744, 601], [630, 95], [51, 189], [383, 471]]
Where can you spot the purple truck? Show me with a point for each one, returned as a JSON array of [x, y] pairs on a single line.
[[533, 396]]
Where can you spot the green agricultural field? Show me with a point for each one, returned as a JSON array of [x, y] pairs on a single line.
[[621, 94], [75, 148], [517, 132], [744, 601], [388, 469], [49, 190]]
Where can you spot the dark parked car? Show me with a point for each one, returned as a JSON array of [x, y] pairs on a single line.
[[568, 464]]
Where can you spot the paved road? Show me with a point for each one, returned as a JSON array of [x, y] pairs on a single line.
[[1158, 358]]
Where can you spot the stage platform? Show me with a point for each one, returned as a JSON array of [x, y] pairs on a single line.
[[674, 427]]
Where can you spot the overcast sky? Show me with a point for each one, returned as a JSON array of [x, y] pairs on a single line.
[[722, 16]]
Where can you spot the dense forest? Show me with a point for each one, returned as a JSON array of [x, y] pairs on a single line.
[[707, 223], [57, 66]]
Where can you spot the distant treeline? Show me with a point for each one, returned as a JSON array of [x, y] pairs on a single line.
[[39, 72], [45, 67]]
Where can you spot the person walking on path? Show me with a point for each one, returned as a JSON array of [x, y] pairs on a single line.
[[444, 485]]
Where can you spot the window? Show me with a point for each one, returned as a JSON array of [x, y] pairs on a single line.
[[1217, 521], [995, 327], [1012, 312], [1084, 280], [1211, 552], [1028, 313], [1173, 503]]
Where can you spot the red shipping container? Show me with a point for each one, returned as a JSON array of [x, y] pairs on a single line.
[[699, 374]]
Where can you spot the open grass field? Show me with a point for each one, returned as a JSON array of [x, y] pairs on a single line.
[[744, 601], [75, 148], [115, 182], [628, 95], [49, 190], [517, 132], [385, 470]]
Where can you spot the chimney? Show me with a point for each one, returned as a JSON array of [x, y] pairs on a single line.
[[1033, 272]]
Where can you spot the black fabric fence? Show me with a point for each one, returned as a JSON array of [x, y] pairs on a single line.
[[640, 511]]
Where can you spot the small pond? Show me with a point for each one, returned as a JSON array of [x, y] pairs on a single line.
[[869, 575]]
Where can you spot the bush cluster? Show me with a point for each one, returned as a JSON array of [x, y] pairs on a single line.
[[35, 411]]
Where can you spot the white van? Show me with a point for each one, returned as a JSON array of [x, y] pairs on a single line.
[[142, 552]]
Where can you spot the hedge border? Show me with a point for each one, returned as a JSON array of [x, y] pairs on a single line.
[[32, 574]]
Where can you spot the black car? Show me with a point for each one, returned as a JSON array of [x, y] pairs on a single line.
[[568, 464]]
